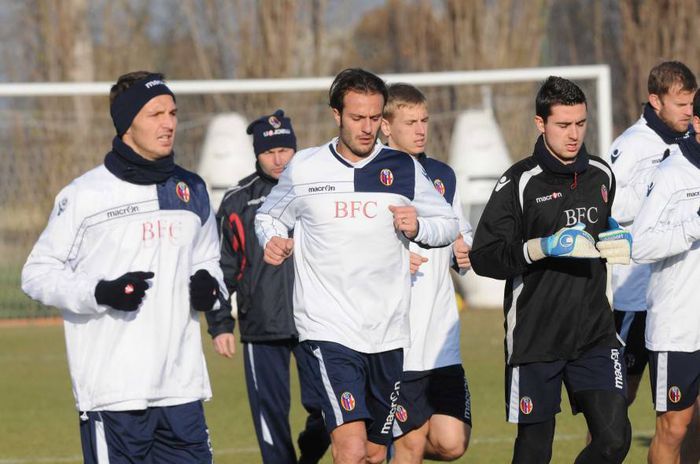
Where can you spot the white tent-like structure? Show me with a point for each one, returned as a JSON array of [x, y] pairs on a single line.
[[479, 156], [227, 155]]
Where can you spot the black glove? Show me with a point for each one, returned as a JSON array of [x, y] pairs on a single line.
[[204, 290], [125, 293]]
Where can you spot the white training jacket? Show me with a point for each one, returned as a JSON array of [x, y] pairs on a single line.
[[434, 318], [666, 233], [352, 277], [102, 227], [634, 156]]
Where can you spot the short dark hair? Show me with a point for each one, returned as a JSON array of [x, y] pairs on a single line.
[[696, 104], [355, 80], [127, 80], [557, 91], [400, 95], [668, 74]]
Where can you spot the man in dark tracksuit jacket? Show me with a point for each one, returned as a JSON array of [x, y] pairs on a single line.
[[264, 300], [559, 324]]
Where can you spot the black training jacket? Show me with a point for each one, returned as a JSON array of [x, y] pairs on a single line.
[[555, 308], [263, 292]]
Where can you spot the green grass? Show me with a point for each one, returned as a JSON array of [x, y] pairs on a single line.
[[38, 423]]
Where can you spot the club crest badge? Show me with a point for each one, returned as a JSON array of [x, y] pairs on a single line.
[[526, 405], [386, 177], [183, 191], [604, 193], [674, 394], [401, 414], [274, 122], [439, 186], [347, 401]]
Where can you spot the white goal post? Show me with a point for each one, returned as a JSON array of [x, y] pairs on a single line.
[[599, 73]]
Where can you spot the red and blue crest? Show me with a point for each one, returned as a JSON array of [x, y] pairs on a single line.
[[674, 394], [526, 405], [439, 186], [401, 413], [183, 191], [274, 122], [386, 177], [347, 401]]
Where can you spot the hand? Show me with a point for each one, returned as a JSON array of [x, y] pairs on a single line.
[[415, 261], [225, 344], [405, 220], [567, 242], [124, 293], [461, 251], [615, 244], [204, 290], [277, 250]]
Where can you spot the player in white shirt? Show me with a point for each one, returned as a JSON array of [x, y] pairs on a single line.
[[634, 156], [433, 417], [129, 253], [354, 205], [667, 235]]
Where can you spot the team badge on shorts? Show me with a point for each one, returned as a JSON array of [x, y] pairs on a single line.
[[439, 186], [526, 405], [347, 401], [674, 394], [386, 177], [401, 413], [604, 193], [183, 191], [274, 122]]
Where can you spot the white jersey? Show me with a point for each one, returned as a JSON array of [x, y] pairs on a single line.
[[100, 228], [634, 156], [352, 277], [434, 319], [666, 233]]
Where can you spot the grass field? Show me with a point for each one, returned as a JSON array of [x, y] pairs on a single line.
[[38, 423]]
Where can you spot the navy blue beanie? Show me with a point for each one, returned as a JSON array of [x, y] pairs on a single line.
[[272, 131], [127, 104]]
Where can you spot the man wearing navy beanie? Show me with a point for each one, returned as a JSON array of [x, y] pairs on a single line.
[[131, 255], [264, 297]]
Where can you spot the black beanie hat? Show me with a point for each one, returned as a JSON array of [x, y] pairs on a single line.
[[127, 104], [272, 131]]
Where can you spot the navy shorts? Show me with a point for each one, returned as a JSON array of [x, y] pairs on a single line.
[[350, 386], [160, 435], [438, 391], [631, 326], [533, 390], [675, 379]]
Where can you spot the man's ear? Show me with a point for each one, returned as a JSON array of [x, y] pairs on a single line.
[[336, 116], [655, 101], [386, 128], [539, 123]]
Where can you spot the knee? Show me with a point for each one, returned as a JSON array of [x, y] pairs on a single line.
[[412, 444], [349, 451], [376, 455], [450, 450], [671, 431], [614, 446]]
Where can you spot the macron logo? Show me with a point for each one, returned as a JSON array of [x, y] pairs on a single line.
[[502, 183], [553, 196], [153, 83]]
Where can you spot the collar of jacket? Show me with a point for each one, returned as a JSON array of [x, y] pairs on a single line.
[[668, 135], [550, 163], [691, 150], [264, 176], [131, 167]]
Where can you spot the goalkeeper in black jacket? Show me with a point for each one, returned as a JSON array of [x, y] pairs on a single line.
[[547, 229]]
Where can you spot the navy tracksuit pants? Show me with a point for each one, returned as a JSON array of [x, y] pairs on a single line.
[[267, 380]]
